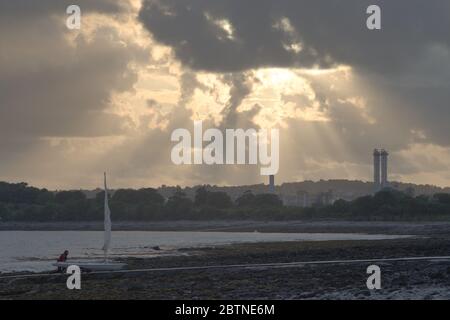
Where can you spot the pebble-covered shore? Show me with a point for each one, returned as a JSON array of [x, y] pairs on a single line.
[[400, 279]]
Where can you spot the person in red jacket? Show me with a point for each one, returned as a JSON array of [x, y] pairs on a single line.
[[62, 258]]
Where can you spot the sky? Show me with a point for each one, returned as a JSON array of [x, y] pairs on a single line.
[[106, 97]]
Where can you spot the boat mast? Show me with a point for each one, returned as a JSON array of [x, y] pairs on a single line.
[[107, 223]]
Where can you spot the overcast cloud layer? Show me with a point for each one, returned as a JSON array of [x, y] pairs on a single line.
[[107, 97]]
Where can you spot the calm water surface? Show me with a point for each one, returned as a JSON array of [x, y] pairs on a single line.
[[36, 250]]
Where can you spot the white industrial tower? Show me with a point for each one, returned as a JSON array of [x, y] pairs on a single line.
[[380, 166], [376, 170], [384, 167]]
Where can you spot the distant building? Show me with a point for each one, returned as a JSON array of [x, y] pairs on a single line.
[[324, 199], [300, 199]]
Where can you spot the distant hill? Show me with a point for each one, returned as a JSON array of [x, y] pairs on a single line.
[[340, 188], [343, 189]]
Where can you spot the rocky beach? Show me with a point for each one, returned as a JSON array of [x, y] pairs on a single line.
[[421, 279]]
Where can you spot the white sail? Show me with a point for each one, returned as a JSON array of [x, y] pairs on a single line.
[[107, 223], [97, 265]]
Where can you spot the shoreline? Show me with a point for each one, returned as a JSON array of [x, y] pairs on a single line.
[[401, 279], [407, 279], [145, 244], [296, 226]]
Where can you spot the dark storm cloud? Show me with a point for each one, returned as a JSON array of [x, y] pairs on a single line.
[[329, 31], [52, 87], [405, 64], [201, 44], [14, 9]]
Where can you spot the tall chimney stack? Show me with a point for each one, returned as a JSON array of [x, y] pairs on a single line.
[[376, 170], [384, 167]]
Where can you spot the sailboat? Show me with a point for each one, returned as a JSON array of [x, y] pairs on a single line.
[[104, 265]]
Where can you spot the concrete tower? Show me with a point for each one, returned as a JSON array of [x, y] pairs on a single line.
[[376, 170], [384, 167], [271, 183]]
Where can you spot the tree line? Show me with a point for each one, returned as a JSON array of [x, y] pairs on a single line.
[[20, 202]]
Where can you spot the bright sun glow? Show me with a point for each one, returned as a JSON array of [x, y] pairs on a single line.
[[275, 76], [321, 72]]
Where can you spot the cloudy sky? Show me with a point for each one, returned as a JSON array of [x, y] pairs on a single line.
[[74, 103]]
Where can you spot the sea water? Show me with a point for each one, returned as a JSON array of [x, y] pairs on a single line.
[[37, 250]]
